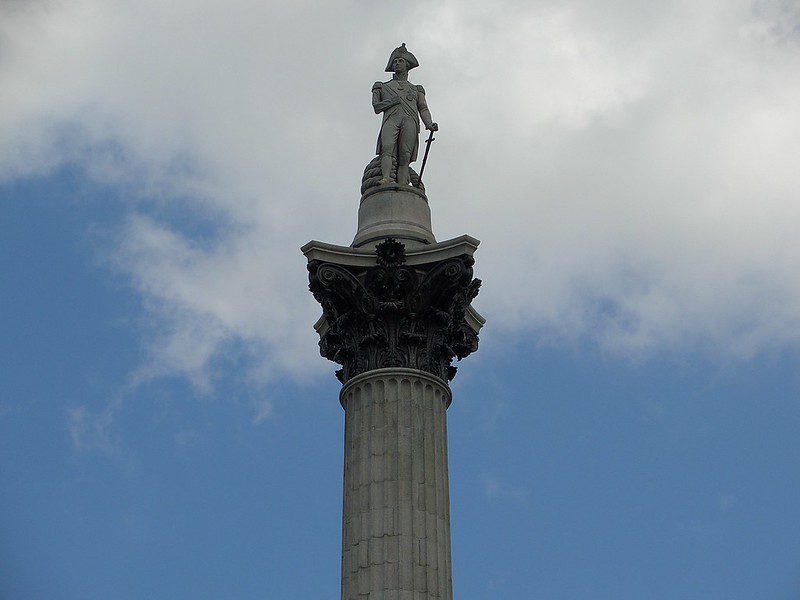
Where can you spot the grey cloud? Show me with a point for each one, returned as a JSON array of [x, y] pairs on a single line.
[[631, 171]]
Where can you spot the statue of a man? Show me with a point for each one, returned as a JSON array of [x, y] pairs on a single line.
[[402, 104]]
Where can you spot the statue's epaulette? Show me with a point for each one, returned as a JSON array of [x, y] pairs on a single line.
[[377, 85], [420, 89]]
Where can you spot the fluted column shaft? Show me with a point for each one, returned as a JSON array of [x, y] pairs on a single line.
[[396, 514]]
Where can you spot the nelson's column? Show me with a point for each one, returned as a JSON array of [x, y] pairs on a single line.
[[395, 312]]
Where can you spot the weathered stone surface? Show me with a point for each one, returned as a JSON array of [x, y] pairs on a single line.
[[372, 176], [396, 515], [400, 212], [402, 104], [364, 256], [396, 311], [394, 315]]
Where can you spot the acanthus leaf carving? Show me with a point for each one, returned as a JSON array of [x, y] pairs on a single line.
[[393, 315]]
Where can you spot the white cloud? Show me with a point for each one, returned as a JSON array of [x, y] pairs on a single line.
[[497, 488], [92, 431], [262, 410], [630, 168]]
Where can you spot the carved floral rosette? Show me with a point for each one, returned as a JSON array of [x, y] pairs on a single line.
[[392, 315]]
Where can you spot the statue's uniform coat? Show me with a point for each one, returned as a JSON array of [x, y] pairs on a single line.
[[411, 107]]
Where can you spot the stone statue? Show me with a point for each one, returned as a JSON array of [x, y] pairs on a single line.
[[403, 105]]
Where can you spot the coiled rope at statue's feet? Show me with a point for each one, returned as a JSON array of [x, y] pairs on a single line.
[[372, 175]]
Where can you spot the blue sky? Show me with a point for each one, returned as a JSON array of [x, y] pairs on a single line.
[[628, 428]]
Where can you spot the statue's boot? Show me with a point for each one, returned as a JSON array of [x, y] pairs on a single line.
[[386, 170], [403, 176]]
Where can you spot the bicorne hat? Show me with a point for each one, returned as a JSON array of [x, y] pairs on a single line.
[[402, 52]]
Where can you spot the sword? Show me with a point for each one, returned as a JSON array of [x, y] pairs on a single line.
[[427, 149]]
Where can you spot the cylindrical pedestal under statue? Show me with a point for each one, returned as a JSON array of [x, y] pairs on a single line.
[[396, 516], [391, 211]]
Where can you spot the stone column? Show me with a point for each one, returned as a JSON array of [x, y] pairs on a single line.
[[395, 320], [396, 517]]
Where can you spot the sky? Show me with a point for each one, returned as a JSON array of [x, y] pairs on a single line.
[[628, 428]]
